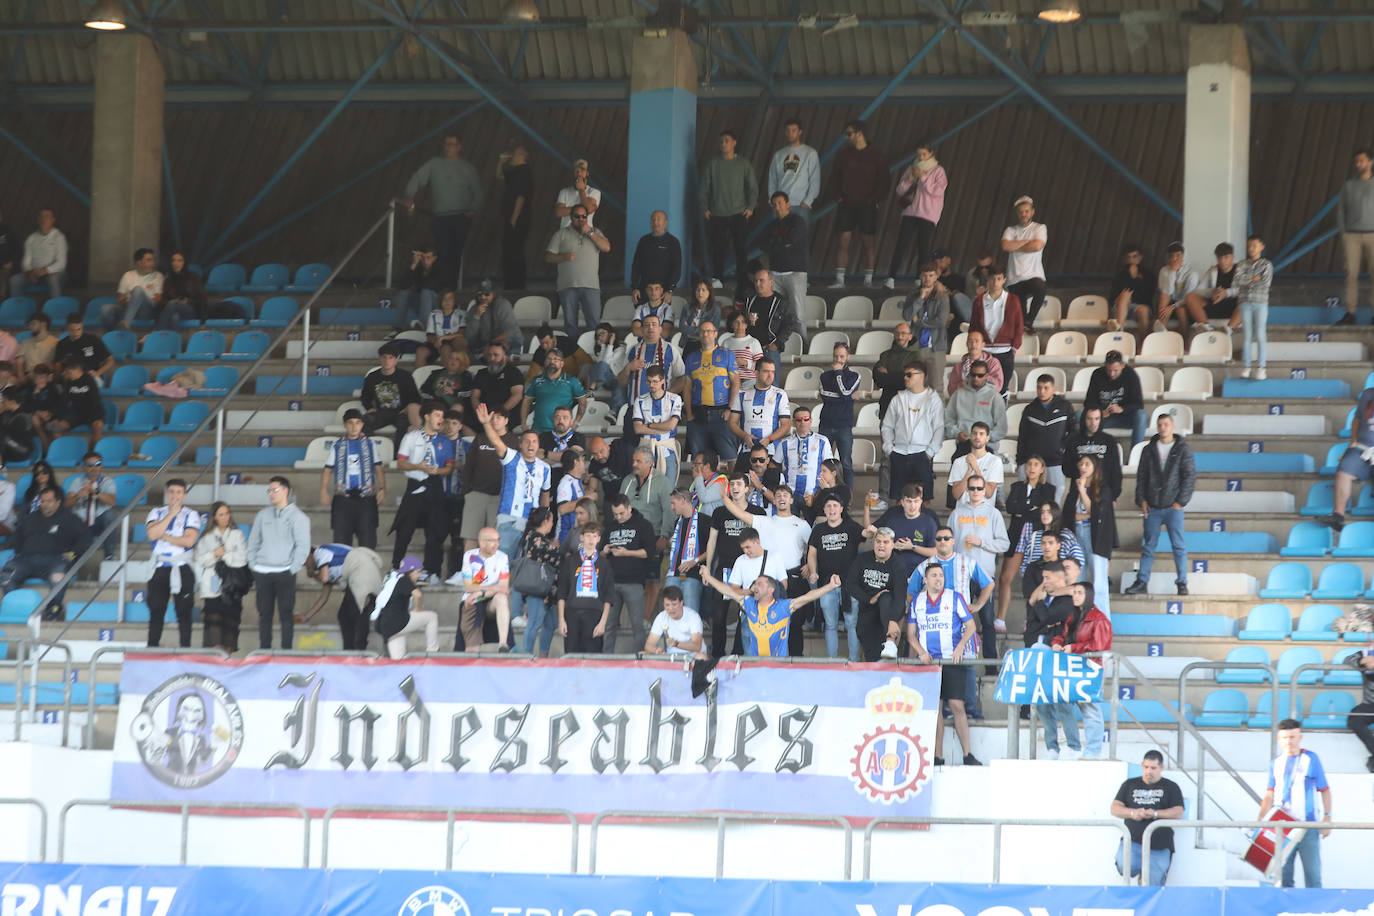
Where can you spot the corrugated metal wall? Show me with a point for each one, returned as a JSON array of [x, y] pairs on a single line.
[[220, 158]]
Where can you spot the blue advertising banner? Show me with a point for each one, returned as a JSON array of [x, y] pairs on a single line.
[[99, 890], [586, 736], [1041, 675]]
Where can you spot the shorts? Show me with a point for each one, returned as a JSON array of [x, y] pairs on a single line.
[[863, 217], [1354, 465], [479, 511], [1222, 309], [82, 419], [953, 681]]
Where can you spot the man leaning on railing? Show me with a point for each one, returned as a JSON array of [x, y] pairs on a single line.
[[1146, 798]]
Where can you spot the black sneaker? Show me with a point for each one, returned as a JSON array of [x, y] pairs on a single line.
[[1335, 521], [1138, 587], [1182, 587], [1347, 318], [1369, 764], [939, 761], [972, 761]]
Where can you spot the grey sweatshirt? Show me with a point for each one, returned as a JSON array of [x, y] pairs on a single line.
[[1252, 280], [1355, 210], [728, 186], [280, 540], [453, 183], [987, 524]]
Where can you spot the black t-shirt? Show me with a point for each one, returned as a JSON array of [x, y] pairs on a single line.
[[767, 317], [868, 575], [82, 403], [920, 529], [389, 392], [728, 530], [494, 388], [836, 548], [519, 183], [396, 612], [482, 473], [89, 348], [816, 511], [1136, 793], [635, 533]]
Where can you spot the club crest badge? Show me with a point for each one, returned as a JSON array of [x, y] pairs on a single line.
[[189, 731], [890, 763]]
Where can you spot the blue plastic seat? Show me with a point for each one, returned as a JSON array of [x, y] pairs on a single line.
[[1253, 462], [126, 488], [1266, 622], [18, 604], [128, 381], [1307, 539], [167, 373], [1173, 625], [90, 316], [1357, 540], [66, 451], [225, 278], [1287, 580], [218, 381], [1315, 623], [267, 278], [1364, 503], [1150, 712], [277, 312], [204, 346], [1343, 677], [185, 417], [159, 346], [114, 450], [1320, 498], [157, 449], [1349, 418], [141, 417], [252, 456], [1333, 458], [1339, 582], [248, 346], [1290, 659], [309, 277], [121, 344], [1264, 709], [59, 307], [1246, 655], [244, 303], [16, 311], [1329, 709], [1226, 708]]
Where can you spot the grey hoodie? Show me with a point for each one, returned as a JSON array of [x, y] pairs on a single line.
[[985, 522], [968, 405], [280, 540]]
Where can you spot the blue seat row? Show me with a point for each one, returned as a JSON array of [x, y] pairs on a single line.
[[1173, 625], [1230, 708], [1275, 622], [266, 278], [1337, 582], [1288, 662], [1310, 539]]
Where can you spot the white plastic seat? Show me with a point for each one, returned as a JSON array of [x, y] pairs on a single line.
[[586, 341], [422, 374], [814, 310], [618, 310], [1014, 419], [1066, 346], [823, 342], [1182, 414], [891, 309], [1086, 312], [1051, 313], [1120, 341], [1161, 347], [597, 417], [852, 311], [1030, 349], [533, 309], [1151, 381], [959, 345], [803, 382], [872, 343], [1081, 379], [1191, 383], [944, 455], [865, 378], [318, 450], [793, 346], [865, 455], [1133, 463], [866, 422], [338, 425], [1210, 347], [1032, 378]]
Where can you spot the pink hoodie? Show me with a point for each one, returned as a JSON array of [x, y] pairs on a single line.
[[929, 201]]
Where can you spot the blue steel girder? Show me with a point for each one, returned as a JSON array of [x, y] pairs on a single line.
[[524, 43], [1283, 261], [737, 38], [1315, 41], [17, 57], [1308, 226], [481, 39], [415, 28], [793, 11], [309, 141], [171, 192], [45, 165], [227, 46], [225, 72]]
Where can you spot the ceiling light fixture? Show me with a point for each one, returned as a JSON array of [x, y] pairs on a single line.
[[1060, 11], [520, 12], [107, 16]]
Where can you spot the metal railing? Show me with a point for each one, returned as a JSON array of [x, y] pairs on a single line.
[[721, 818], [42, 821], [187, 808], [996, 823], [1282, 847], [19, 664], [450, 815], [88, 731], [1268, 667], [1294, 685]]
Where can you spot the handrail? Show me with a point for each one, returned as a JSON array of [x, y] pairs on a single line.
[[88, 738], [186, 808], [1268, 667], [721, 818], [172, 459], [1285, 828], [20, 659], [1293, 686], [996, 823], [449, 817], [42, 822]]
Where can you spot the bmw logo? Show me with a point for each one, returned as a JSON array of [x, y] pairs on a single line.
[[434, 901]]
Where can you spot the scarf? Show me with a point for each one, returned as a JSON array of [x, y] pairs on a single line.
[[684, 546], [367, 460], [586, 576], [383, 596], [560, 443], [93, 501], [925, 165]]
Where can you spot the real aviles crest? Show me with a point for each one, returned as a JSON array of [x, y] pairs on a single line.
[[890, 763]]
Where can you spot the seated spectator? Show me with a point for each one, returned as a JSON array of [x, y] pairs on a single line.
[[41, 477], [677, 629], [1180, 290], [45, 257], [1219, 299], [609, 465], [710, 486], [831, 486], [575, 359], [656, 302], [978, 276], [93, 499], [139, 295], [491, 320], [1114, 387], [421, 292], [43, 400], [390, 397], [889, 372], [954, 285], [1354, 465], [912, 527], [444, 326], [45, 544], [80, 404], [997, 316], [977, 466], [562, 437], [551, 389], [95, 357], [40, 348], [745, 347], [586, 591], [1133, 288], [498, 384], [183, 295], [973, 402], [485, 581], [16, 427], [399, 610], [701, 307], [608, 358], [9, 349], [762, 473], [450, 384], [874, 590]]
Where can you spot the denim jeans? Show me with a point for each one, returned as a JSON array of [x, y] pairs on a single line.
[[579, 297], [1310, 850], [542, 622], [510, 527], [1095, 568], [33, 566], [139, 306], [1052, 715], [173, 314], [830, 610], [1254, 325], [1160, 859], [600, 374], [1093, 729], [691, 591], [792, 286], [843, 440], [1172, 519], [416, 306], [1134, 420], [54, 282], [709, 430]]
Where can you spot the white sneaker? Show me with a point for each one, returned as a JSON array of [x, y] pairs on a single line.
[[519, 622], [1113, 324], [999, 625], [427, 578], [455, 580], [1051, 755], [1071, 754], [1261, 374], [1159, 326], [1245, 373], [880, 506], [889, 650], [889, 283], [838, 284]]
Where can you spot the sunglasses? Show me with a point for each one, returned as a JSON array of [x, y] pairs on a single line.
[[943, 537], [978, 375], [977, 488], [93, 464], [758, 460], [579, 216]]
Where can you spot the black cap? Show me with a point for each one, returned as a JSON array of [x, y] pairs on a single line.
[[352, 413]]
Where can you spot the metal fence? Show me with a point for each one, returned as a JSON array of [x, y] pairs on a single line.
[[42, 821], [186, 809], [450, 815], [1284, 847]]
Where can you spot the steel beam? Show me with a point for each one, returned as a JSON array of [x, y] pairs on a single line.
[[524, 43], [481, 39], [43, 164], [170, 190], [1314, 41], [306, 144], [736, 38], [269, 45], [1283, 261], [746, 68], [227, 46], [228, 73], [1307, 227]]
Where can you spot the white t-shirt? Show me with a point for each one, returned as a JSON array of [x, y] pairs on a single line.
[[747, 350], [1024, 265], [167, 554], [680, 630], [418, 448], [747, 568], [1178, 283], [784, 536], [990, 466], [994, 314], [480, 570], [1164, 449], [150, 283], [571, 197]]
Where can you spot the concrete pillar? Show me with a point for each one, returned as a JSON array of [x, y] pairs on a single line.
[[663, 128], [126, 155], [1216, 170]]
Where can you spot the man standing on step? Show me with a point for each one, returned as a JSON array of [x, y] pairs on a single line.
[[1355, 219], [1355, 463], [1163, 487], [359, 477], [456, 194], [1296, 778], [277, 548], [172, 530]]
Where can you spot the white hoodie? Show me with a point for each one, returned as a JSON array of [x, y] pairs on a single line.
[[914, 423]]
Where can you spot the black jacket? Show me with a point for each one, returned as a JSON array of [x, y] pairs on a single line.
[[1023, 504], [1103, 521], [1123, 391], [1101, 446], [657, 257], [1353, 659], [1042, 620], [41, 535], [1160, 487], [1045, 428], [566, 590]]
